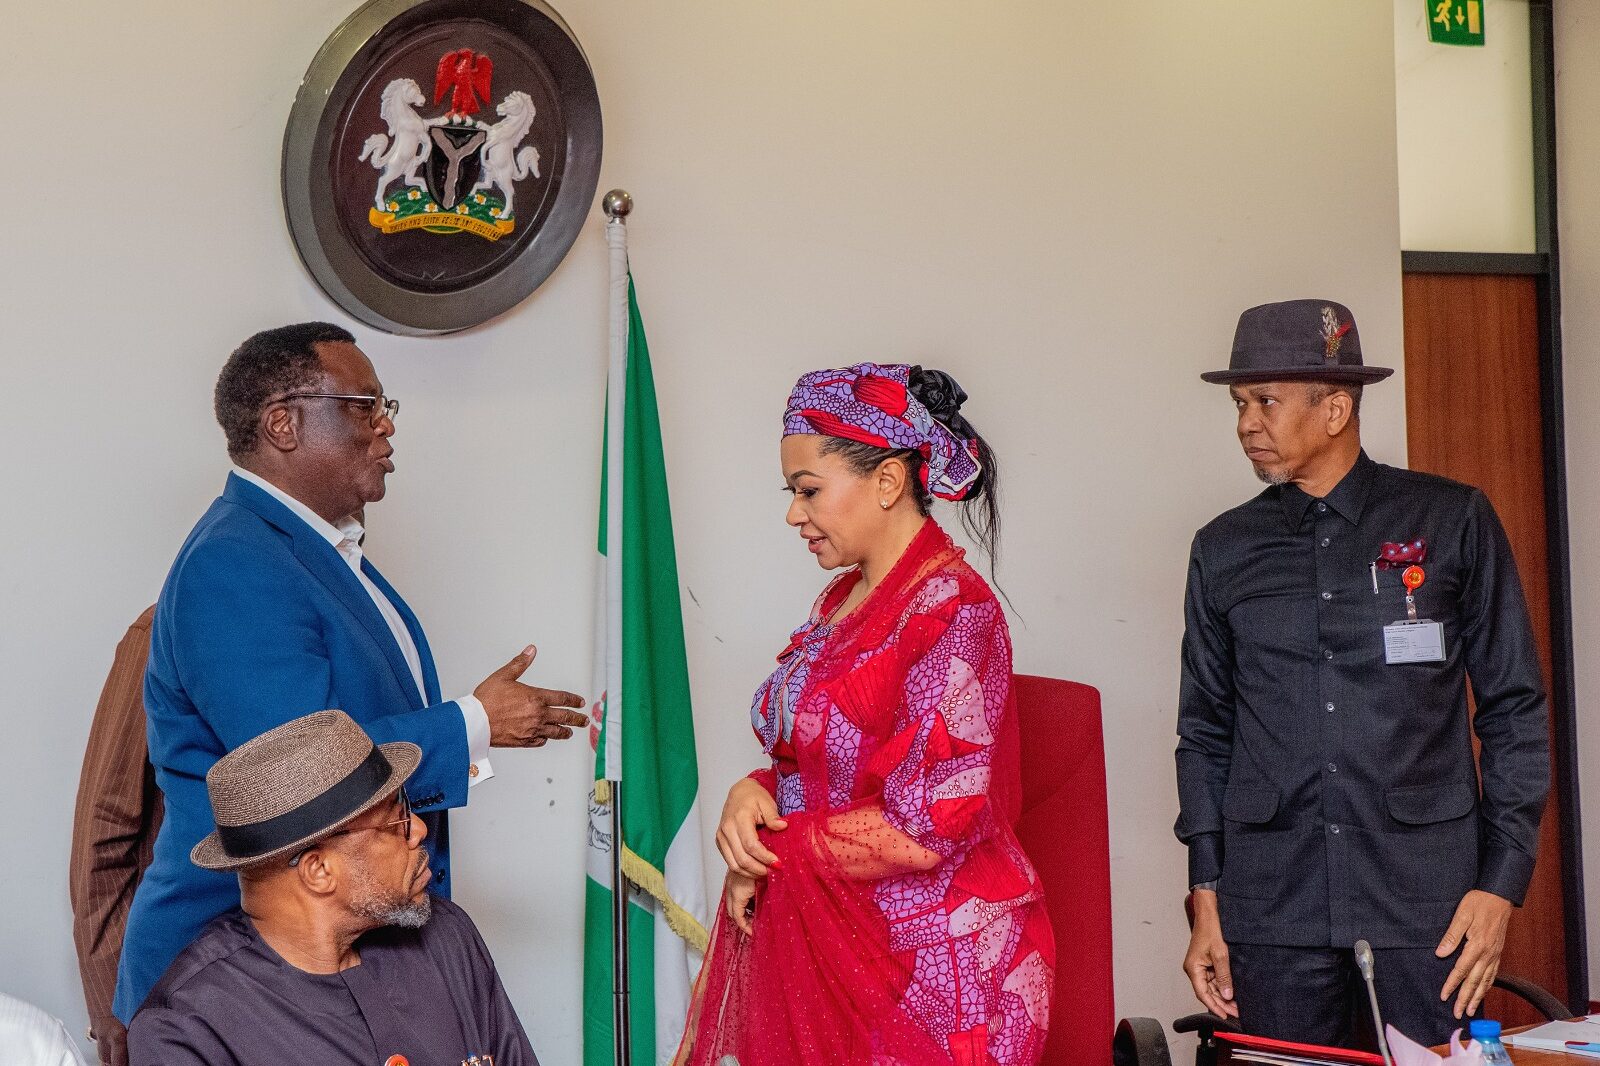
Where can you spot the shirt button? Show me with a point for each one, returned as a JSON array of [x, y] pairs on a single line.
[[1326, 542], [1321, 507], [472, 770], [1327, 653], [1332, 769], [1327, 595], [1333, 829], [1329, 706]]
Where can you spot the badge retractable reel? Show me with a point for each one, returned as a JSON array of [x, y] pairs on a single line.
[[1411, 639]]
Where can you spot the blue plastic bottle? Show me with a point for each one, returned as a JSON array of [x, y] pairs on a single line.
[[1487, 1034]]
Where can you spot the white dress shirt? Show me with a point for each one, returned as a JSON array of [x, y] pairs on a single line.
[[346, 540], [30, 1037]]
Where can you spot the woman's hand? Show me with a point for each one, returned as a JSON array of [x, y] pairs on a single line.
[[738, 895], [749, 807]]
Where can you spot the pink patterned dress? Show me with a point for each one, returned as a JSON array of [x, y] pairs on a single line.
[[904, 924]]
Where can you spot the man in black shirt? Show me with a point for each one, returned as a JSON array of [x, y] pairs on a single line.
[[1326, 781]]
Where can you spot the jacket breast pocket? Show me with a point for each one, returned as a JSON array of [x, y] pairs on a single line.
[[1389, 602], [1252, 854]]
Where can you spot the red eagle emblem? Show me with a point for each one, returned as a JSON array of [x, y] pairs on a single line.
[[465, 75]]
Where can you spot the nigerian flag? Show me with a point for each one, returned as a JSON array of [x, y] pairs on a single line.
[[646, 733]]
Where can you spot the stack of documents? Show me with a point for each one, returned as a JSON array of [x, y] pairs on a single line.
[[1272, 1058], [1581, 1037], [1269, 1052]]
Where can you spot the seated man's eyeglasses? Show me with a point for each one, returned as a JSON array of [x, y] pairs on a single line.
[[404, 821], [377, 407]]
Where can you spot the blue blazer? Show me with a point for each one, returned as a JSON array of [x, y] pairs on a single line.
[[261, 621]]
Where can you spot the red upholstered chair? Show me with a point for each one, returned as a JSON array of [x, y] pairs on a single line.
[[1063, 829]]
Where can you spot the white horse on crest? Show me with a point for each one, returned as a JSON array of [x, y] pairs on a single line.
[[503, 164], [410, 133]]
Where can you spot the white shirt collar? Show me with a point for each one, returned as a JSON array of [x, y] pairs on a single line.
[[347, 529]]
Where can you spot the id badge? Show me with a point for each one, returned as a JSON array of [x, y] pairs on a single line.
[[1413, 641]]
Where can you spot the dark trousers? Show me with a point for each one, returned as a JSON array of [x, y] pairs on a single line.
[[1317, 996]]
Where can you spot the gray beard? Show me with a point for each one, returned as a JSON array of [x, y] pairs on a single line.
[[1275, 477], [407, 915], [389, 906]]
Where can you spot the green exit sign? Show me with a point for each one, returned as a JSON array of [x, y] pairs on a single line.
[[1455, 22]]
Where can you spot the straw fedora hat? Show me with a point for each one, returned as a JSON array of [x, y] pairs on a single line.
[[282, 791]]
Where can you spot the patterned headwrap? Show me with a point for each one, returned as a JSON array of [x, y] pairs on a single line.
[[874, 405]]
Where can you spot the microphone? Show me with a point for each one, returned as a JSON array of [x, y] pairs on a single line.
[[1364, 964]]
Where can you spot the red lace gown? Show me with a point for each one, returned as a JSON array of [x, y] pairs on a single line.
[[903, 924]]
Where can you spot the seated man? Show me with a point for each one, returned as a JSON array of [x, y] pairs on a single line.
[[338, 953]]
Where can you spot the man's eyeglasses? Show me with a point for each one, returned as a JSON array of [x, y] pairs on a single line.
[[377, 407], [404, 821]]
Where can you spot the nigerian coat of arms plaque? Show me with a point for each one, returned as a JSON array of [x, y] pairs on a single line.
[[440, 159]]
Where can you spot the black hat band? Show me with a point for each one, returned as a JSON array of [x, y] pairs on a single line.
[[317, 814]]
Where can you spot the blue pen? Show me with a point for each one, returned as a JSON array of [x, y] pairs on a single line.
[[1590, 1047]]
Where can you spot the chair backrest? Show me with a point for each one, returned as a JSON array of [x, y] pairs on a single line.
[[1063, 829]]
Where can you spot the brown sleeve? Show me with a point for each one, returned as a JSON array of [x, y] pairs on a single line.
[[113, 832]]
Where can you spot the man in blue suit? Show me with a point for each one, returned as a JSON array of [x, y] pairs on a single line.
[[271, 612]]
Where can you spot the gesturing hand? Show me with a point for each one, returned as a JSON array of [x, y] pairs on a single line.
[[1481, 917], [522, 716], [749, 807], [738, 895], [1206, 961]]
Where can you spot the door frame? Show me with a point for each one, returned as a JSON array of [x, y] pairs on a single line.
[[1543, 265]]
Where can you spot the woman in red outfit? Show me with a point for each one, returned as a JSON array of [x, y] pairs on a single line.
[[877, 907]]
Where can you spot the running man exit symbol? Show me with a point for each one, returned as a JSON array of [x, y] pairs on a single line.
[[1455, 22]]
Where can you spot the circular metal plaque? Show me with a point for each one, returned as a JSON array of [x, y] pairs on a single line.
[[440, 159]]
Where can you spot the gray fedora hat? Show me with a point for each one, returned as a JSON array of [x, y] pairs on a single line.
[[281, 792], [1297, 340]]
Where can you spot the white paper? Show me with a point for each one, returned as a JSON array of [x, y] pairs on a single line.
[[1553, 1036]]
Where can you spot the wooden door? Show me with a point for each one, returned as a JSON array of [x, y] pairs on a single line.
[[1473, 414]]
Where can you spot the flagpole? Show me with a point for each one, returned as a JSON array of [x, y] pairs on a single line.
[[617, 205]]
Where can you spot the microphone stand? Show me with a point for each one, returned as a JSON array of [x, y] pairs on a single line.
[[1364, 963]]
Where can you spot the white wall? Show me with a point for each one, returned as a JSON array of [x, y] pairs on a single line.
[[1064, 203], [1465, 133], [1577, 33]]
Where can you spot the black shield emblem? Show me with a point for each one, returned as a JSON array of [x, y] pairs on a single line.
[[454, 162]]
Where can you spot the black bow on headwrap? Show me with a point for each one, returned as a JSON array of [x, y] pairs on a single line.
[[943, 397]]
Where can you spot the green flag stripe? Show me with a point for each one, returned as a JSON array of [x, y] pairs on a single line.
[[658, 758]]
